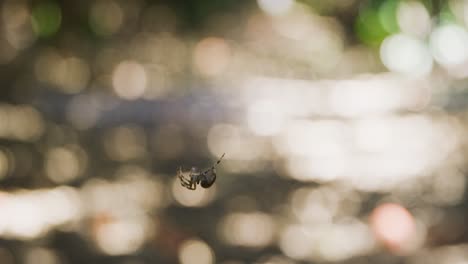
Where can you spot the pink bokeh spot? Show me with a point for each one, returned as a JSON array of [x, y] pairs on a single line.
[[393, 225]]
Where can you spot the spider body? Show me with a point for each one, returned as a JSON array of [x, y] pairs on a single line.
[[205, 178]]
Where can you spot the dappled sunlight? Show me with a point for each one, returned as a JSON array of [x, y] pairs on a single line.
[[322, 131]]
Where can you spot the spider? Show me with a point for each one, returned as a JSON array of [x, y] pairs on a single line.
[[205, 179]]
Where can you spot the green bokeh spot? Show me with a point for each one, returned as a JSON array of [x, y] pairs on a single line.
[[429, 5], [369, 28], [446, 15], [46, 19], [388, 16]]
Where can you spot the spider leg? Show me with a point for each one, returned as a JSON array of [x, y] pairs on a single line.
[[217, 162], [189, 186], [180, 174], [193, 180], [184, 180], [187, 183], [182, 177]]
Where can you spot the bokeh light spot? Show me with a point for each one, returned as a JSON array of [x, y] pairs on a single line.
[[46, 18], [405, 54], [393, 225], [295, 242], [6, 162], [20, 123], [212, 56], [248, 229], [18, 28], [275, 7], [413, 18], [129, 80], [116, 236], [369, 27], [449, 44], [105, 17], [64, 164], [196, 252], [74, 74], [387, 15]]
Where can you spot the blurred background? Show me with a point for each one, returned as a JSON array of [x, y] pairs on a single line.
[[343, 124]]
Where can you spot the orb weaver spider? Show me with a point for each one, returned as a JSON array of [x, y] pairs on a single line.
[[205, 179]]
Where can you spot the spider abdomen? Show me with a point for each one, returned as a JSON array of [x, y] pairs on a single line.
[[205, 183]]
